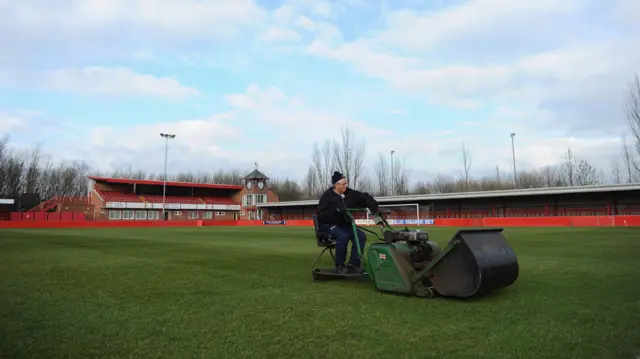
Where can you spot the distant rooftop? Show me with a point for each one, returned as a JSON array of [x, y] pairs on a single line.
[[553, 191], [256, 175], [161, 183]]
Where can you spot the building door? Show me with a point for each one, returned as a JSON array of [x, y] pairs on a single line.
[[235, 216]]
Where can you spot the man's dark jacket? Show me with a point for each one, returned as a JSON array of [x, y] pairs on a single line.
[[332, 207]]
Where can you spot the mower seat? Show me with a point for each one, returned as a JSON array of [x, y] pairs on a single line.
[[328, 242], [323, 239]]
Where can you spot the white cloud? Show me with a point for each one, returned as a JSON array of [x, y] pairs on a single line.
[[627, 11], [436, 55], [10, 123], [165, 19], [280, 34], [79, 32], [31, 124], [197, 135], [272, 107], [115, 81], [264, 125], [414, 31]]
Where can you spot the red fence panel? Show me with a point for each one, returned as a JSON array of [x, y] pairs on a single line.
[[78, 220], [66, 216], [54, 216]]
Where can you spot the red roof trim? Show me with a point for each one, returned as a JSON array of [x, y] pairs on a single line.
[[160, 183]]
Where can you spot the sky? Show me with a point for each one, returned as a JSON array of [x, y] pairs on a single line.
[[241, 81]]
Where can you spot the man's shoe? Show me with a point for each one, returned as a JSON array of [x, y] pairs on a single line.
[[354, 270], [341, 270]]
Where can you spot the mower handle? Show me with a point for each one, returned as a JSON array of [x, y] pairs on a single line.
[[366, 209], [384, 225], [357, 209]]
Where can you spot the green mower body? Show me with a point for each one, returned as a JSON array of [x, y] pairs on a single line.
[[474, 262]]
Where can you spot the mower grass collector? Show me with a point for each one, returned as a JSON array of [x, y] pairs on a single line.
[[474, 262]]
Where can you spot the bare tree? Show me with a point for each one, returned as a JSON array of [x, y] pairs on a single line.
[[633, 115], [4, 156], [420, 187], [568, 168], [323, 160], [382, 174], [629, 161], [586, 174], [401, 185], [615, 172], [287, 190], [310, 184], [466, 162], [365, 184], [33, 171], [551, 176], [348, 156], [13, 167], [442, 184]]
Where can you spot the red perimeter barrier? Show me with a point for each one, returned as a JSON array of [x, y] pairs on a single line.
[[580, 221]]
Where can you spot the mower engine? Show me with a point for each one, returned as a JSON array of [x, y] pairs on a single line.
[[405, 235], [414, 244]]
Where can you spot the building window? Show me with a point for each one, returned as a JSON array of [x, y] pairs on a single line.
[[153, 214], [115, 214], [193, 215], [208, 215], [219, 213], [141, 215], [127, 214], [253, 199], [248, 200]]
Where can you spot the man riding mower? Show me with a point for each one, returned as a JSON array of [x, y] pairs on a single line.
[[474, 262], [332, 215]]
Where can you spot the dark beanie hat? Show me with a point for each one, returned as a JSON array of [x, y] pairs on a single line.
[[337, 176]]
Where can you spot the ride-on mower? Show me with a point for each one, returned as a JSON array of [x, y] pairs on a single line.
[[474, 262]]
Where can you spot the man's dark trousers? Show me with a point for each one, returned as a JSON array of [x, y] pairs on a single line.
[[343, 235]]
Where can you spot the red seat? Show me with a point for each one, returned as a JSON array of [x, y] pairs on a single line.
[[114, 196]]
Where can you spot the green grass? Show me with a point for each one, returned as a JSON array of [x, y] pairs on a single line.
[[247, 293]]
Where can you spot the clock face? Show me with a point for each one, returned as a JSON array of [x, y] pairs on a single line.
[[261, 185], [249, 185]]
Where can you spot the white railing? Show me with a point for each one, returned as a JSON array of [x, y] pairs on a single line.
[[173, 206]]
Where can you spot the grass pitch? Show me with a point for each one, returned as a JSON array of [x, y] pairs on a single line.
[[247, 293]]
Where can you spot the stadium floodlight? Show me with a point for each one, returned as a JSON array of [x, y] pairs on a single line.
[[513, 154], [166, 137]]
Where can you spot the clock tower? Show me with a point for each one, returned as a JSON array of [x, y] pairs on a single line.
[[255, 192]]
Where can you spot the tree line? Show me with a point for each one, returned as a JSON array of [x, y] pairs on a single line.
[[32, 172]]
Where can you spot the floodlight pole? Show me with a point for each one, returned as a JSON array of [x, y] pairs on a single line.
[[513, 154], [166, 137], [392, 174]]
